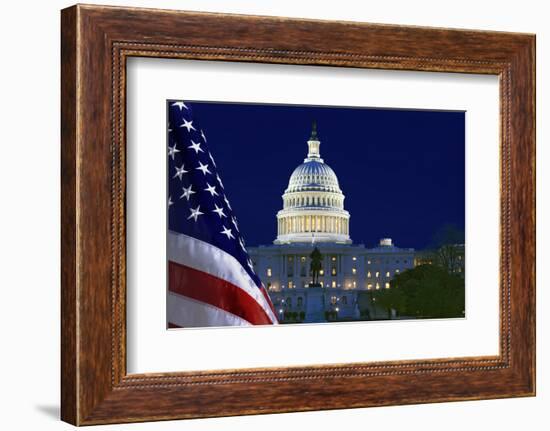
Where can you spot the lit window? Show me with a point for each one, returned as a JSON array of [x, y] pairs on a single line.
[[368, 262], [333, 283], [377, 286], [369, 274], [397, 271], [333, 300], [387, 286], [354, 284], [303, 258], [290, 285], [388, 274], [333, 271], [354, 270], [269, 272], [369, 286], [321, 272], [354, 258], [377, 274]]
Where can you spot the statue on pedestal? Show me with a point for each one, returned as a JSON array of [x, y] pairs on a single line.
[[315, 266]]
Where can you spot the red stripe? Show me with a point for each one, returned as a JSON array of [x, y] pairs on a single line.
[[212, 290]]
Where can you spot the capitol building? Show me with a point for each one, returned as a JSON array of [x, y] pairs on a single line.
[[314, 216]]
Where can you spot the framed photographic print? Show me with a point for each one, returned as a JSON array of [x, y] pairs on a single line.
[[305, 267], [280, 206]]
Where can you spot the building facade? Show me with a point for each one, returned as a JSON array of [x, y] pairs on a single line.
[[313, 215]]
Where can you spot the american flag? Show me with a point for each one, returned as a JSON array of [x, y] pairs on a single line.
[[211, 279]]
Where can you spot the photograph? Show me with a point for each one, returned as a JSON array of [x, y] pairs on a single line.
[[302, 214]]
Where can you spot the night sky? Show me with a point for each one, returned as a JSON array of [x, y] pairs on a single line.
[[402, 171]]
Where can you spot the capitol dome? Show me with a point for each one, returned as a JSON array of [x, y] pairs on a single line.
[[313, 175], [313, 203]]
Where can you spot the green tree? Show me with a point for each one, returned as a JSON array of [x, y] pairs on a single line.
[[427, 291], [448, 244]]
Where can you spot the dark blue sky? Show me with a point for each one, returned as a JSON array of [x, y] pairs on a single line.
[[402, 171]]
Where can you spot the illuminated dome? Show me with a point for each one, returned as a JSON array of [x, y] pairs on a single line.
[[313, 175], [313, 204]]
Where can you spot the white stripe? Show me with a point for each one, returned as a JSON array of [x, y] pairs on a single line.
[[205, 257], [189, 313]]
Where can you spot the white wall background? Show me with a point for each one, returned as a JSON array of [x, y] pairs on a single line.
[[29, 215]]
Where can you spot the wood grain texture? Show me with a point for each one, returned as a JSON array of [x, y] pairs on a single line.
[[69, 397], [96, 41]]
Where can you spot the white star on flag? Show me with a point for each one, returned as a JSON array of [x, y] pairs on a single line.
[[187, 192], [195, 213], [219, 211], [203, 168], [241, 243], [211, 189], [234, 221], [227, 232], [219, 180], [212, 158], [180, 105], [227, 202], [195, 146], [179, 172], [172, 151], [188, 125]]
